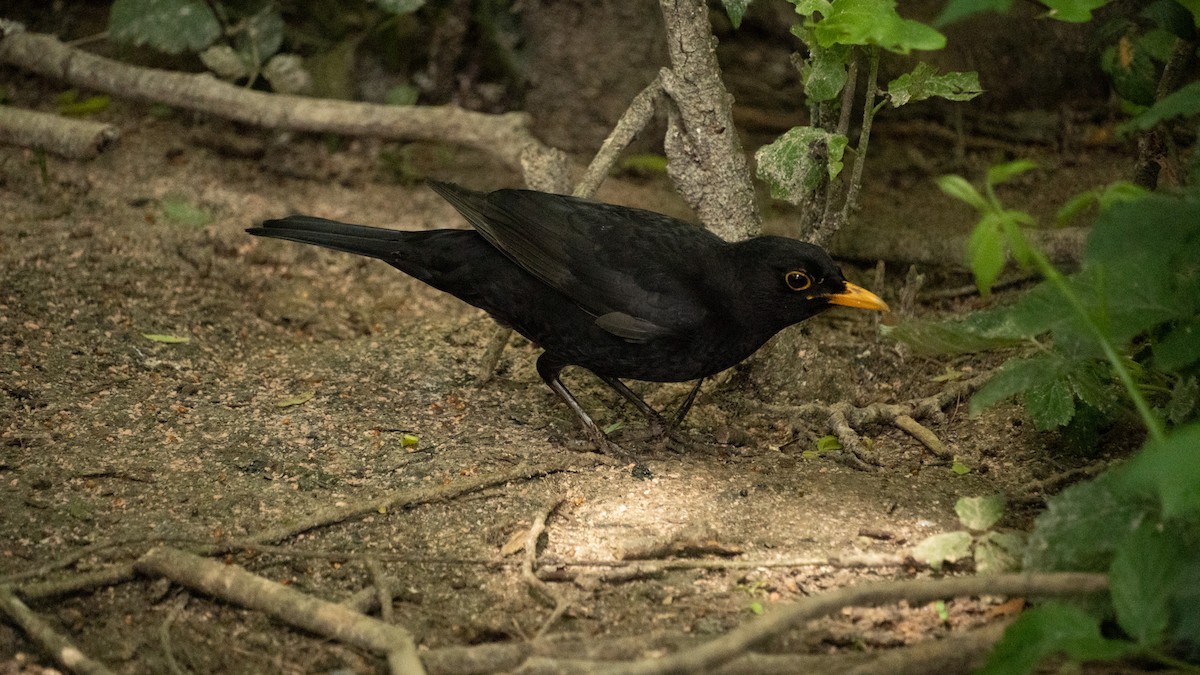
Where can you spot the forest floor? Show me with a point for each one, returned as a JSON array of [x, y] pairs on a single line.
[[305, 371]]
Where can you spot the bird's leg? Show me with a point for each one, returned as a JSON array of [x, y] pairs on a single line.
[[687, 404], [549, 371], [655, 419]]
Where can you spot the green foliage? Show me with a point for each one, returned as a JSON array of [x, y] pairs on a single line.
[[1135, 304], [1183, 102], [867, 22], [994, 551], [736, 9], [925, 82], [237, 41], [1074, 11], [800, 161], [1140, 523], [171, 26], [70, 103], [804, 165]]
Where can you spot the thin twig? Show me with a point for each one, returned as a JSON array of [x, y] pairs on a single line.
[[633, 120], [864, 136], [923, 434], [540, 589]]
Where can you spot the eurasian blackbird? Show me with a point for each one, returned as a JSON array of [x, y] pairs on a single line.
[[622, 292]]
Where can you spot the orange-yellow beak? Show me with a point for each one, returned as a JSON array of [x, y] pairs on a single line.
[[857, 296]]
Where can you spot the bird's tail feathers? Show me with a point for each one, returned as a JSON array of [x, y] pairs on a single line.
[[375, 242]]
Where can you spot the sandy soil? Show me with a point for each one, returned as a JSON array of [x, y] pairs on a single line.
[[113, 441]]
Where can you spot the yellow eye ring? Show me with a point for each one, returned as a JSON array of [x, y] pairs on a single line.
[[797, 280]]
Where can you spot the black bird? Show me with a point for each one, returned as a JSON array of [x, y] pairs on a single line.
[[622, 292]]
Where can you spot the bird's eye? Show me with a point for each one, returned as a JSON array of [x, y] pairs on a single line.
[[797, 280]]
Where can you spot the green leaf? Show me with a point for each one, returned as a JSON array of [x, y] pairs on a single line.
[[874, 22], [225, 62], [298, 399], [925, 82], [1084, 524], [957, 10], [402, 94], [1053, 628], [1050, 404], [756, 608], [166, 339], [800, 161], [1144, 577], [1185, 399], [736, 9], [943, 548], [171, 26], [1015, 377], [1169, 470], [409, 441], [287, 75], [999, 552], [810, 7], [985, 252], [69, 103], [1073, 11], [1180, 347], [824, 72], [958, 187], [180, 210], [958, 467], [1131, 71], [1002, 173], [399, 6], [828, 444], [979, 513], [260, 36]]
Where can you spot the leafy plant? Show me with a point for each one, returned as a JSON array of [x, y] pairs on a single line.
[[804, 165], [994, 551], [1128, 320], [236, 41], [1140, 523]]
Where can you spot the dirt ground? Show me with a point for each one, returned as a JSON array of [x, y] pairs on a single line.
[[307, 376]]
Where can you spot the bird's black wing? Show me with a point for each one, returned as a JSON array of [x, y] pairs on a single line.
[[642, 274]]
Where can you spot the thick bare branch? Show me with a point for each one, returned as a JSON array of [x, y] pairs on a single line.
[[65, 137]]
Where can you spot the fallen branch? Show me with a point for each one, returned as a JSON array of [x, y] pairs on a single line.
[[506, 136], [55, 645], [234, 584], [712, 654], [65, 137]]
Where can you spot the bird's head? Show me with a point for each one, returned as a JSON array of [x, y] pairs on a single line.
[[795, 280]]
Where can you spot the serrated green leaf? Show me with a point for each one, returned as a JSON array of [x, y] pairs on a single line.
[[824, 72], [979, 513], [1002, 173], [1169, 470], [166, 339], [1015, 377], [1144, 577], [171, 26], [943, 548], [298, 399], [959, 188], [1051, 629], [736, 9], [1050, 404], [874, 22], [800, 161], [1083, 525], [999, 552], [925, 82]]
